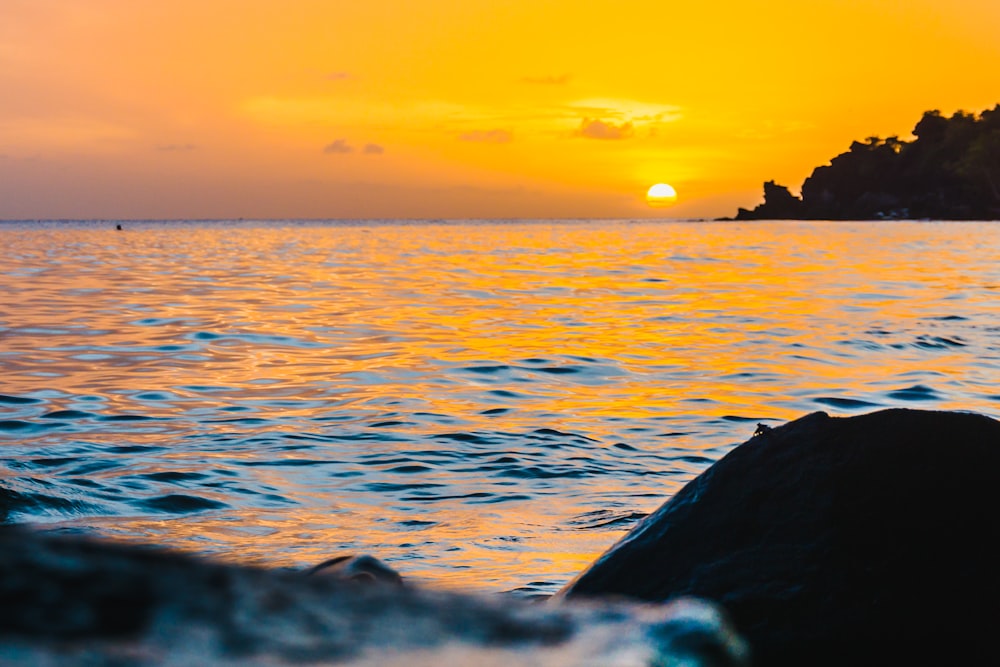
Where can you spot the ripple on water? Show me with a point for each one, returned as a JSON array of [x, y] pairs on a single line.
[[539, 472], [547, 432], [134, 449], [939, 342], [606, 520], [702, 461], [173, 477], [486, 370], [20, 427], [558, 370], [388, 487], [845, 403], [420, 497], [283, 463], [129, 418], [18, 400], [179, 503], [15, 503], [472, 438], [52, 462], [917, 392], [68, 414]]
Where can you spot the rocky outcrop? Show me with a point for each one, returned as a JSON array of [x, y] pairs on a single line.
[[73, 601], [779, 204], [834, 541], [950, 171]]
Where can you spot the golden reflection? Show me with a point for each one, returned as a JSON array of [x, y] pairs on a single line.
[[222, 335]]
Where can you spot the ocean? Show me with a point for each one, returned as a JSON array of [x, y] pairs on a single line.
[[484, 405]]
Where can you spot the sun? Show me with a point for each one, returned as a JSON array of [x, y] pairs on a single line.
[[661, 194]]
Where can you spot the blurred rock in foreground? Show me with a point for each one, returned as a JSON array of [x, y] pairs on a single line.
[[71, 601], [867, 540]]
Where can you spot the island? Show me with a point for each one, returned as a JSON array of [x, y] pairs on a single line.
[[949, 171]]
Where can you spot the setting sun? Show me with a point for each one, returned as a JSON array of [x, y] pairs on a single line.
[[661, 194]]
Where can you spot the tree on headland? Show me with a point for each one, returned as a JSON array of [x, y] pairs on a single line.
[[951, 170]]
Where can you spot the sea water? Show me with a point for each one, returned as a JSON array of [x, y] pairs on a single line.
[[484, 405]]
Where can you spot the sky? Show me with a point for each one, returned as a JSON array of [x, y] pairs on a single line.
[[460, 108]]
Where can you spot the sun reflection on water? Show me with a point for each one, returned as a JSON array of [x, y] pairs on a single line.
[[481, 403]]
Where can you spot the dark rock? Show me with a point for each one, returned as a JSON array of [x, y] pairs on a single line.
[[834, 541], [362, 569], [779, 204], [72, 601]]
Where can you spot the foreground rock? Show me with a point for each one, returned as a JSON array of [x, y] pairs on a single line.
[[69, 601], [837, 541]]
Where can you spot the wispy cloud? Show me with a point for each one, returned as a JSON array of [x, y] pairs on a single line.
[[625, 109], [548, 80], [598, 129], [488, 136], [338, 147], [373, 149], [338, 76]]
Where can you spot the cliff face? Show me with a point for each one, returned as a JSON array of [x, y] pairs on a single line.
[[950, 171]]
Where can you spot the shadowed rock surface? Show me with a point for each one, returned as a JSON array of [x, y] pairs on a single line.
[[834, 541], [361, 569], [72, 601]]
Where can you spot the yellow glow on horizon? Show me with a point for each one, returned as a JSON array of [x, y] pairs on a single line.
[[432, 109]]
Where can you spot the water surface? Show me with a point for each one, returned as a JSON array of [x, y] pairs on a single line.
[[483, 404]]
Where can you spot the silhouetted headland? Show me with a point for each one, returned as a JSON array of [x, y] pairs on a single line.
[[950, 171]]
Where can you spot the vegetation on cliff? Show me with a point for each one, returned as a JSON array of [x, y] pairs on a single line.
[[951, 171]]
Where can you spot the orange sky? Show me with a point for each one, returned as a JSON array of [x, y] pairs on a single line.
[[460, 108]]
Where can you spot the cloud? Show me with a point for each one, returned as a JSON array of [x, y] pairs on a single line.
[[488, 136], [339, 146], [620, 109], [598, 129], [170, 148], [338, 76], [343, 147], [547, 80]]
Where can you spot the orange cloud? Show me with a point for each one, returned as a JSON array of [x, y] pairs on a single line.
[[343, 147], [598, 129], [338, 147]]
